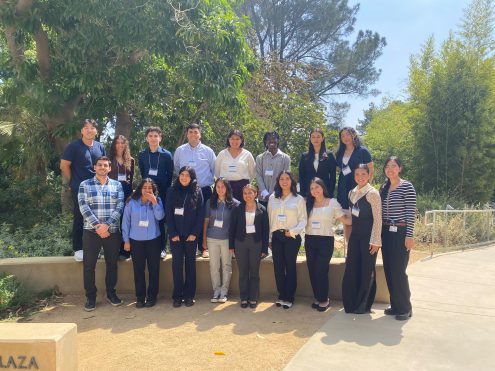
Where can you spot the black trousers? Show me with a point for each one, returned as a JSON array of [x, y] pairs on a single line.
[[77, 222], [284, 255], [395, 260], [92, 243], [359, 283], [206, 191], [248, 257], [183, 256], [319, 251], [146, 253]]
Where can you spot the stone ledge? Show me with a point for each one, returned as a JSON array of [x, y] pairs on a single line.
[[66, 274]]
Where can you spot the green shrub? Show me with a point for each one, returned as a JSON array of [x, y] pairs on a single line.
[[14, 295]]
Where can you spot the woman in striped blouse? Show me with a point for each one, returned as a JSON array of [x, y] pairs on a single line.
[[398, 215]]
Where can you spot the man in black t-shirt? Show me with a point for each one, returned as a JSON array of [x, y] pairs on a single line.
[[77, 164]]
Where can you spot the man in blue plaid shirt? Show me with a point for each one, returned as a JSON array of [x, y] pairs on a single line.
[[101, 201]]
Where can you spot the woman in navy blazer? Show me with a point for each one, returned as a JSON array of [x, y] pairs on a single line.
[[317, 162], [248, 235]]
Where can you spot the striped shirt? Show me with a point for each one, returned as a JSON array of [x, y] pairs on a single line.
[[101, 203], [399, 206]]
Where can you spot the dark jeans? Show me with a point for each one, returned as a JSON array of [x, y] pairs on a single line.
[[359, 283], [237, 186], [183, 254], [127, 188], [248, 257], [77, 222], [146, 253], [319, 251], [206, 196], [395, 260], [284, 251], [92, 243]]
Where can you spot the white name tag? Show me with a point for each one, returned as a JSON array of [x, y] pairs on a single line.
[[315, 225], [218, 223], [282, 218], [179, 211], [250, 229], [232, 168], [355, 211], [122, 178], [192, 163], [269, 172], [393, 228], [153, 172], [346, 170], [144, 223]]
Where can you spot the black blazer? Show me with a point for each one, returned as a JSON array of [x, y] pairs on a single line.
[[237, 230], [326, 172]]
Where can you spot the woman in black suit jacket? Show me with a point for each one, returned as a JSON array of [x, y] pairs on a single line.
[[317, 162], [248, 236]]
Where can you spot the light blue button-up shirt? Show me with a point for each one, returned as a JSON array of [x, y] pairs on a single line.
[[201, 158], [134, 213]]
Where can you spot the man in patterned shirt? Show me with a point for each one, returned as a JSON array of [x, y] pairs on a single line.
[[101, 202]]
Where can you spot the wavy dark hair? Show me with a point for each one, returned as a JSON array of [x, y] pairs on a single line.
[[136, 195], [271, 134], [293, 184], [310, 200], [356, 141], [323, 148], [229, 199], [239, 134], [386, 185], [192, 188], [126, 156]]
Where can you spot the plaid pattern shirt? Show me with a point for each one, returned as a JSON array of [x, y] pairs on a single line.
[[101, 203]]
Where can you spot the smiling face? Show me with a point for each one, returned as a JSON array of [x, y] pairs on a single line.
[[235, 141], [221, 189], [346, 137], [193, 137], [285, 182], [185, 178], [88, 132], [119, 146], [392, 170], [249, 195], [316, 190], [272, 143], [153, 138], [361, 176], [102, 168], [147, 189]]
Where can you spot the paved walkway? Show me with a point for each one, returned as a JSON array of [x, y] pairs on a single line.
[[453, 327]]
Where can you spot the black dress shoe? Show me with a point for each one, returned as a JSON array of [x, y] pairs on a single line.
[[244, 304], [253, 304], [315, 305], [189, 302], [140, 304], [389, 311], [323, 308], [403, 316], [150, 303], [177, 303]]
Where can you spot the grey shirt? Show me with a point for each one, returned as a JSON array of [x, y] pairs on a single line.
[[268, 167], [220, 214]]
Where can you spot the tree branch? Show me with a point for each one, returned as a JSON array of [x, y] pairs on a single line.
[[23, 7], [42, 52], [16, 51]]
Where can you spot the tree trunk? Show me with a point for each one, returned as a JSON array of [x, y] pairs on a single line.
[[124, 123]]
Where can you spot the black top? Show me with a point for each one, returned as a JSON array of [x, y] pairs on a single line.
[[192, 220], [326, 172], [82, 158], [161, 160], [237, 229]]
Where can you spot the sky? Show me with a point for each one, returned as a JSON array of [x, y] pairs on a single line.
[[406, 25]]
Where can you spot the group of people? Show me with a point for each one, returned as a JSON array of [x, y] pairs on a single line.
[[213, 206]]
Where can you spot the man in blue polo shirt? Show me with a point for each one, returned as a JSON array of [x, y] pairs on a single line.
[[77, 164], [202, 159], [156, 163]]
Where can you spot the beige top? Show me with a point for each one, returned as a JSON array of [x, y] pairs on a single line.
[[288, 213], [321, 219], [373, 197], [235, 168]]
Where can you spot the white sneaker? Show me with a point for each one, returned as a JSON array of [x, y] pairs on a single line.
[[222, 299], [279, 303], [163, 254], [214, 299], [287, 304], [78, 256], [205, 254]]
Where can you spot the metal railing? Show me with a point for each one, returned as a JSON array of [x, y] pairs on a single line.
[[459, 229]]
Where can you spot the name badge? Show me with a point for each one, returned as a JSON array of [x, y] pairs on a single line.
[[232, 168], [393, 228], [316, 225], [179, 211], [121, 177], [153, 172], [218, 223], [282, 218], [355, 211], [144, 223], [269, 172], [250, 229], [192, 163], [346, 170]]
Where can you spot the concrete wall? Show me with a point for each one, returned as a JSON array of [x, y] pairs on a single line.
[[66, 274]]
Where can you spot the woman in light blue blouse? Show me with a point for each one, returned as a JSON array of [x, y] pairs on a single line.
[[141, 234]]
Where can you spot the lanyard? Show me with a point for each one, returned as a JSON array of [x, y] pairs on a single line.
[[149, 160], [118, 168], [216, 211], [141, 208]]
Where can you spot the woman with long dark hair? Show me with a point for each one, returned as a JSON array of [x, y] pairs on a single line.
[[249, 236], [235, 163], [141, 235], [359, 282], [184, 218], [399, 215], [287, 213], [317, 162], [319, 242], [216, 238]]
